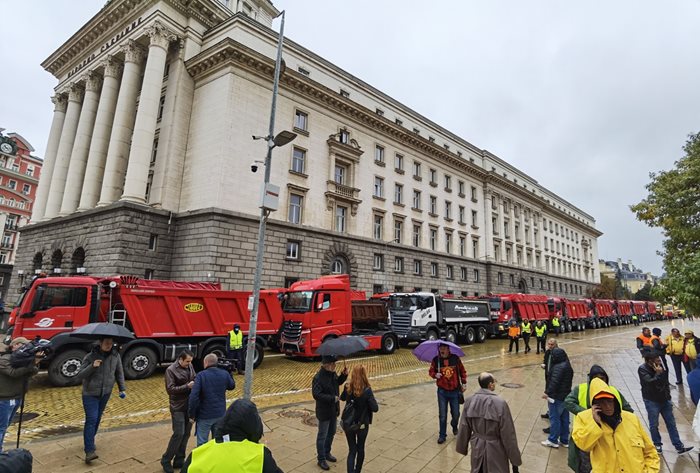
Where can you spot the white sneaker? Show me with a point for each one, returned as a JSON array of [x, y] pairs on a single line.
[[549, 444]]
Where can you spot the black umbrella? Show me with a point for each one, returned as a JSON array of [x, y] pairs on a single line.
[[103, 330], [342, 346]]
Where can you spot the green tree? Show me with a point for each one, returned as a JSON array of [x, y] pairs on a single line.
[[644, 293], [604, 290], [673, 204]]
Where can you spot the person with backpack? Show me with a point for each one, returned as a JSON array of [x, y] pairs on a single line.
[[360, 404], [13, 382], [451, 377]]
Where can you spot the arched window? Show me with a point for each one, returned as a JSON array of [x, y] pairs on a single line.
[[338, 265], [56, 259], [77, 259], [37, 261]]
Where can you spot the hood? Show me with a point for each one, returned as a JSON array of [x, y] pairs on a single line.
[[597, 370], [558, 355], [241, 422], [599, 386]]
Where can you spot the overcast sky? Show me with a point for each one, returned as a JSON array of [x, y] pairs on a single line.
[[585, 97]]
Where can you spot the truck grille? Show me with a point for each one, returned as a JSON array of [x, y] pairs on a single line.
[[291, 330], [400, 323]]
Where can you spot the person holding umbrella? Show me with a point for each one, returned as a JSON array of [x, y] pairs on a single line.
[[101, 368], [450, 377], [326, 392]]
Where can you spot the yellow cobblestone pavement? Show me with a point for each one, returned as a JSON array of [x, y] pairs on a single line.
[[281, 384]]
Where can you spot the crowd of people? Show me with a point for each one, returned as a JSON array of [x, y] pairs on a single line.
[[606, 435]]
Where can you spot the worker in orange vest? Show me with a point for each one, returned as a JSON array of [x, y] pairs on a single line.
[[644, 339], [514, 335]]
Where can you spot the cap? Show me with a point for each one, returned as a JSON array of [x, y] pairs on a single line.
[[689, 332], [604, 395], [236, 326], [328, 359], [18, 340]]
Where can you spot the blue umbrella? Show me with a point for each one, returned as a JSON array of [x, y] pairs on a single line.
[[428, 350]]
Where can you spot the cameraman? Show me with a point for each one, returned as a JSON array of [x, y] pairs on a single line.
[[13, 382]]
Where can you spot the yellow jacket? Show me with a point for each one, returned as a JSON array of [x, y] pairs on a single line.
[[628, 448], [674, 346]]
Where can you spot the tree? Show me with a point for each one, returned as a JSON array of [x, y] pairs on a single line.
[[604, 290], [673, 204], [644, 293]]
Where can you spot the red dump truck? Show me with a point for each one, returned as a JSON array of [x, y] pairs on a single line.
[[505, 307], [573, 313], [164, 316], [327, 308]]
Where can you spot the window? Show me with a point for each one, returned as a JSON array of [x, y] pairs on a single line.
[[161, 107], [448, 210], [398, 194], [494, 225], [474, 199], [463, 273], [301, 120], [433, 205], [398, 162], [476, 275], [460, 188], [416, 199], [344, 93], [30, 172], [398, 264], [475, 248], [377, 289], [416, 131], [295, 206], [416, 170], [417, 267], [416, 235], [340, 216], [341, 173], [506, 228], [461, 214], [500, 277], [450, 272], [12, 184], [448, 243], [398, 230], [153, 242], [148, 274], [475, 216], [379, 112], [433, 177], [433, 239], [336, 268], [154, 151], [379, 187], [509, 255], [344, 136], [303, 71], [398, 121], [53, 296], [293, 250], [448, 183], [378, 226], [462, 245], [517, 231], [535, 233], [434, 270], [26, 189], [378, 262], [512, 280], [298, 160], [379, 154]]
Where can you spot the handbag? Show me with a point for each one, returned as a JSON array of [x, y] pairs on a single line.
[[460, 396], [349, 419]]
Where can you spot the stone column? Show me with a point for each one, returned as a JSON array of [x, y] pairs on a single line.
[[488, 228], [95, 167], [123, 125], [147, 115], [65, 149], [42, 193], [78, 159]]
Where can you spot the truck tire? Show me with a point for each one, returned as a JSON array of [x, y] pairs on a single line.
[[259, 355], [432, 335], [140, 362], [64, 366], [569, 326], [470, 335], [451, 336], [481, 334], [389, 343]]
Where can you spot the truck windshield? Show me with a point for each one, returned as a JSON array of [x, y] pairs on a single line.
[[407, 302], [298, 301], [495, 303]]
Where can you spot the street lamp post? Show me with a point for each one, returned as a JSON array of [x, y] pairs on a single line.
[[283, 138]]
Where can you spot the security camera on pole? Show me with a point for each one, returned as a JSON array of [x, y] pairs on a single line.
[[269, 203]]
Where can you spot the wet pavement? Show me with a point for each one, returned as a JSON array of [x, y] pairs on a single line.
[[403, 436]]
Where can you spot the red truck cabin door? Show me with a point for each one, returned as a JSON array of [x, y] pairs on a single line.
[[55, 309]]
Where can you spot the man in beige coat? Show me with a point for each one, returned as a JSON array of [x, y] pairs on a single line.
[[487, 424]]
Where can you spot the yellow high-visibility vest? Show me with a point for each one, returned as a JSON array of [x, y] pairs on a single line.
[[224, 457], [235, 340]]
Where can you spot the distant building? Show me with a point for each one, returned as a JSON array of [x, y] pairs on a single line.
[[631, 277]]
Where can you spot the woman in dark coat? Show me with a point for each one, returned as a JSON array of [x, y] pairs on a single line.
[[359, 393]]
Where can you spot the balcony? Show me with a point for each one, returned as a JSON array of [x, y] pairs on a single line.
[[344, 194], [11, 227]]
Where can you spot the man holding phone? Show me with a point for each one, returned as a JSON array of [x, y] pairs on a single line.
[[657, 399]]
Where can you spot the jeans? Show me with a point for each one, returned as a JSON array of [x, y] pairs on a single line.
[[324, 438], [8, 409], [677, 361], [666, 410], [203, 429], [356, 449], [513, 340], [526, 339], [93, 406], [182, 429], [444, 397], [689, 365], [558, 423]]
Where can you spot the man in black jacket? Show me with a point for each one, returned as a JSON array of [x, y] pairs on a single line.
[[179, 381], [325, 390], [657, 399], [560, 376]]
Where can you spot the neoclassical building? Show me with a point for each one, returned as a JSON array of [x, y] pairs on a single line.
[[148, 169]]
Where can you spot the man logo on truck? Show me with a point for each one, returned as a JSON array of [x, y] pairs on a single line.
[[45, 322], [194, 307]]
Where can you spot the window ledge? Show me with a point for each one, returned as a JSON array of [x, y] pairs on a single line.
[[301, 132], [297, 173], [380, 163], [399, 171]]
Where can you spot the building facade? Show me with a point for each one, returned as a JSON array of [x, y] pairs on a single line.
[[631, 277], [148, 169]]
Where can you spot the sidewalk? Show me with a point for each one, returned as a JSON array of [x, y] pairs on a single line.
[[403, 436]]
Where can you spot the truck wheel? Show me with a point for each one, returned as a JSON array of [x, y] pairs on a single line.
[[470, 335], [451, 336], [432, 335], [259, 355], [65, 366], [569, 327], [139, 363], [481, 334], [389, 344]]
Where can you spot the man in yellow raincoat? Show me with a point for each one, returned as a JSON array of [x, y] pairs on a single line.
[[615, 438]]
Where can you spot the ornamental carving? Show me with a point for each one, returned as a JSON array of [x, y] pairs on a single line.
[[93, 83], [160, 35], [60, 102], [75, 92], [133, 52], [113, 67]]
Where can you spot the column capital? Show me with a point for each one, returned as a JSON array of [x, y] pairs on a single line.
[[75, 92], [93, 82], [133, 52], [113, 67], [160, 35], [60, 102]]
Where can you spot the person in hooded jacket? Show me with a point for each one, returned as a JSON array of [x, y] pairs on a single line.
[[101, 368], [615, 438], [236, 446], [578, 400], [487, 425], [325, 389], [359, 393], [558, 387]]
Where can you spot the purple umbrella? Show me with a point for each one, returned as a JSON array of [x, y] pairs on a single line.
[[428, 350]]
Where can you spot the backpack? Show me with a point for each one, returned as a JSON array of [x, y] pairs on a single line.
[[16, 461], [349, 419]]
